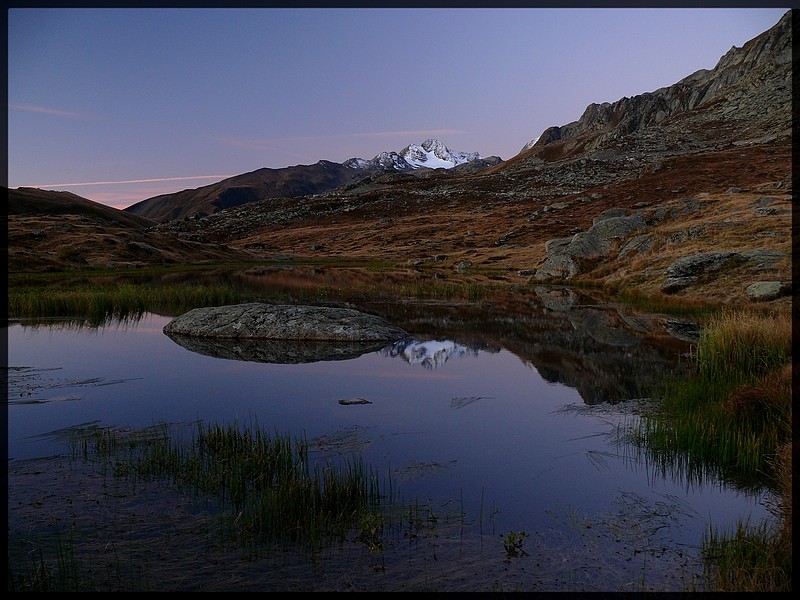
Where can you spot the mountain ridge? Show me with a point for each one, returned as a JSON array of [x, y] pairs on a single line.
[[295, 181]]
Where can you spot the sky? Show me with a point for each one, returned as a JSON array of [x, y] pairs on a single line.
[[123, 104]]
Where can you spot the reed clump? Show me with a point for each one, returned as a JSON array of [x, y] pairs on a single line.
[[732, 417], [735, 409], [101, 303], [267, 485]]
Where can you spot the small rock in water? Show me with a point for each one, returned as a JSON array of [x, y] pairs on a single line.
[[349, 401]]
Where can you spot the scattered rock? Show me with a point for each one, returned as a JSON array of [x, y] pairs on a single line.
[[764, 291], [687, 269], [354, 401], [557, 267], [769, 210], [463, 265]]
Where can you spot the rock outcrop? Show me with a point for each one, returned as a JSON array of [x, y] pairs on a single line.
[[257, 320], [564, 254]]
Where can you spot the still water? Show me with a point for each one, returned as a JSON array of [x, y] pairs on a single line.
[[507, 416]]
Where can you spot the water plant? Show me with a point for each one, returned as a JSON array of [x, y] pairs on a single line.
[[513, 542]]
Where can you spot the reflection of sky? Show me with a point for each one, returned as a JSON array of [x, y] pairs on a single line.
[[489, 417]]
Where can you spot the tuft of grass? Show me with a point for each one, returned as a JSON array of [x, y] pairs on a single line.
[[99, 304], [272, 491], [744, 345], [735, 409], [733, 417]]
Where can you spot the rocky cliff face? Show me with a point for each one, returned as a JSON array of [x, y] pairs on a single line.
[[743, 85]]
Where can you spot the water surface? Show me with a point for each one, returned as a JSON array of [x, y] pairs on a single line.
[[506, 415]]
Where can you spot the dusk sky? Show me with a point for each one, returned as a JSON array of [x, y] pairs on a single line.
[[119, 105]]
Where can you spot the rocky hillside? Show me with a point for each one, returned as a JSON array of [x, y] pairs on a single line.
[[302, 180], [55, 231], [683, 191]]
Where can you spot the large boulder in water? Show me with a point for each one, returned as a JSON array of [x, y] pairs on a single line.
[[258, 320]]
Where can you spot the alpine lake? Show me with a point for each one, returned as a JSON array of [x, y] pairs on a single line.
[[499, 429]]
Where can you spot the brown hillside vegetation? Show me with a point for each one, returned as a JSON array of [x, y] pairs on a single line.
[[470, 231]]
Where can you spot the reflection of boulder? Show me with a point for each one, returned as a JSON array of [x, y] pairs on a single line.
[[275, 351], [598, 324], [560, 299]]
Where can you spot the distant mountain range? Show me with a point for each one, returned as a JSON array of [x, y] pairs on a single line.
[[432, 154], [302, 180]]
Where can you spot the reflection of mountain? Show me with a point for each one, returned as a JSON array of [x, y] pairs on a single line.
[[430, 354], [605, 352]]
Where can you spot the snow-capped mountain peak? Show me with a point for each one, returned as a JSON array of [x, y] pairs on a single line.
[[431, 154]]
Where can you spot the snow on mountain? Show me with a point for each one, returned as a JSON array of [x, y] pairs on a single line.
[[431, 154], [529, 144]]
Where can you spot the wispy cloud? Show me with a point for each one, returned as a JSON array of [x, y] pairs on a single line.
[[267, 145], [49, 111], [270, 144], [126, 181], [274, 144], [416, 133]]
